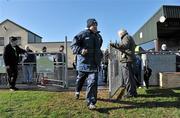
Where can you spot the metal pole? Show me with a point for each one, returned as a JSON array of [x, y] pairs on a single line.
[[109, 70], [66, 64]]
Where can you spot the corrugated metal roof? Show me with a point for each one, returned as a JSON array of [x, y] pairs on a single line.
[[171, 11], [148, 31]]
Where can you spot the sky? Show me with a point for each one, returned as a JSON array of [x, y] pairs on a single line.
[[55, 19]]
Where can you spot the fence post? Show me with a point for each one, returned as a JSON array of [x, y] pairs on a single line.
[[66, 65]]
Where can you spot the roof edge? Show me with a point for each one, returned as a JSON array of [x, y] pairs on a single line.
[[7, 20]]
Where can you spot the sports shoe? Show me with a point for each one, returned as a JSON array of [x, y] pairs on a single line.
[[11, 89], [92, 107]]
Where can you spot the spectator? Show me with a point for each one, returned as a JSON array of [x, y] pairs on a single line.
[[137, 70], [44, 49], [147, 75], [60, 60], [105, 65], [60, 57], [28, 65], [11, 57], [178, 61], [127, 48]]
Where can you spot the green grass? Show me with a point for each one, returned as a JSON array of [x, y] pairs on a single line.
[[152, 103]]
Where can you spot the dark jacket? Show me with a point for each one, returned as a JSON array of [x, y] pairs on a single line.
[[92, 42], [61, 57], [127, 48], [11, 56], [31, 58]]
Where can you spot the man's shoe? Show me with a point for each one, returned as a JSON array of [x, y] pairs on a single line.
[[92, 107], [11, 89], [77, 94]]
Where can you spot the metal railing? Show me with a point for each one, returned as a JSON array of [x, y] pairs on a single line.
[[46, 71], [167, 61]]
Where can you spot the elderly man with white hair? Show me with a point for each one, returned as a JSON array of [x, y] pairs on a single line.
[[127, 59], [29, 62]]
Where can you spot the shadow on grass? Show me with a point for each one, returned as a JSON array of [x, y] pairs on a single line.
[[151, 93], [157, 92], [133, 105], [25, 87]]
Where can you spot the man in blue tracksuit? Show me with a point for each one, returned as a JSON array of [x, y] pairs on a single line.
[[87, 46]]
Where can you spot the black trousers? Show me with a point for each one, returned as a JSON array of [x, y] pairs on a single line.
[[105, 73], [12, 75]]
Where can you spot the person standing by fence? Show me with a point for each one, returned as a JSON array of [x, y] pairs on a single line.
[[138, 65], [127, 59], [60, 59], [28, 65], [87, 46], [11, 57], [105, 65]]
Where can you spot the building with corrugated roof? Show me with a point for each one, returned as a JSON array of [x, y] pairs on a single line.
[[162, 28]]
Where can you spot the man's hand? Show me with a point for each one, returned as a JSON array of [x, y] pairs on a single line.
[[112, 44], [84, 51]]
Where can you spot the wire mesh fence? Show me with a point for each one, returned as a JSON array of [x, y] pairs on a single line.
[[45, 70], [157, 61]]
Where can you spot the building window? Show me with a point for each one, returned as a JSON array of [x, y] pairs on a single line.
[[1, 41], [19, 40], [31, 38]]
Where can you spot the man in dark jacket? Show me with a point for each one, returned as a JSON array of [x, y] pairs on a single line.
[[11, 57], [127, 59], [87, 46], [105, 65], [29, 63], [147, 75], [60, 59]]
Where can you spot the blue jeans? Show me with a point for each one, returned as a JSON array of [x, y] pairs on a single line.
[[28, 72], [92, 83]]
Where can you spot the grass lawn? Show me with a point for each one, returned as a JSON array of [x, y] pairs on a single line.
[[151, 103]]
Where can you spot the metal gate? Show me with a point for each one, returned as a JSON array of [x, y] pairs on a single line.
[[3, 75], [114, 71], [50, 72], [45, 72], [158, 62]]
